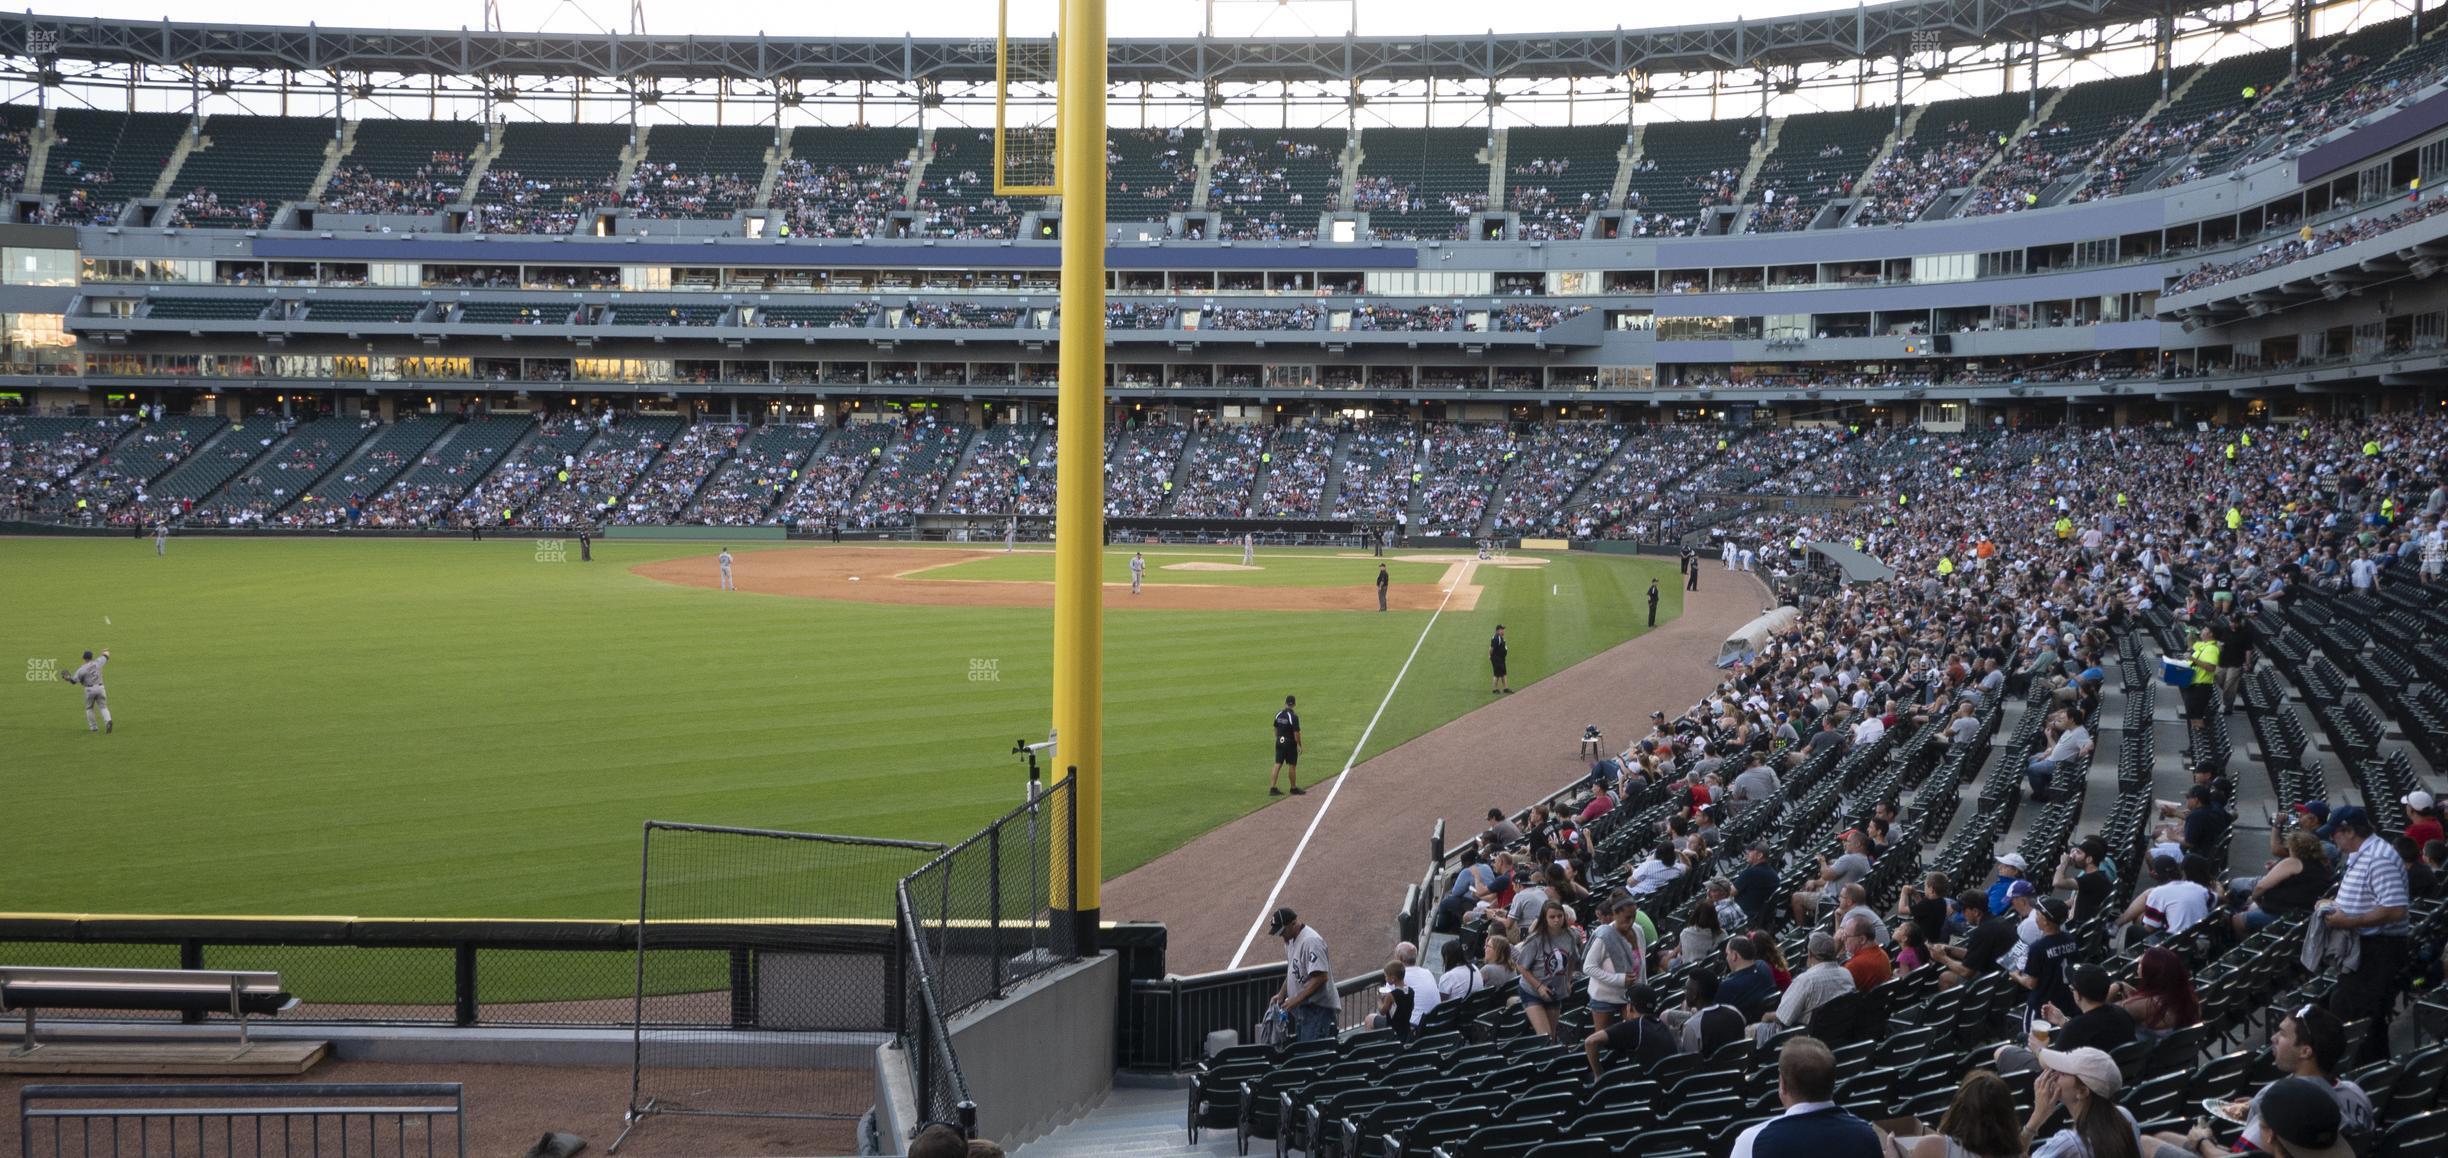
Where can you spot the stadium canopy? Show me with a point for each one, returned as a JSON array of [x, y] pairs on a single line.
[[1855, 566], [1875, 31]]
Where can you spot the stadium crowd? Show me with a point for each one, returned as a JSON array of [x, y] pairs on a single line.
[[1779, 898], [2309, 242], [1251, 184]]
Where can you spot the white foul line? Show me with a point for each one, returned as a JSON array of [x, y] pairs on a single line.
[[1268, 909]]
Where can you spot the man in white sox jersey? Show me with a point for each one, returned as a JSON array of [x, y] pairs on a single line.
[[89, 676], [725, 560], [1287, 750]]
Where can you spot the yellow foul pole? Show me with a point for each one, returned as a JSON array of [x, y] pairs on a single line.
[[1079, 531]]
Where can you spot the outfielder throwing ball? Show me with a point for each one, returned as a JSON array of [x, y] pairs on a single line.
[[89, 676]]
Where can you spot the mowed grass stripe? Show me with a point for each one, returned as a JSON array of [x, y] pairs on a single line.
[[428, 728]]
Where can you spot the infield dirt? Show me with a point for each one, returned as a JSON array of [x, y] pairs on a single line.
[[898, 575]]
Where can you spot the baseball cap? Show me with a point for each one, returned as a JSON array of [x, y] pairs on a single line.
[[2303, 1114], [1282, 919], [2097, 1070], [2419, 801], [1763, 848], [2318, 810], [2055, 908], [2020, 889], [2346, 814], [2094, 847], [2015, 861]]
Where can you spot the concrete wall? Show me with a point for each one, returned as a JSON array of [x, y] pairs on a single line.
[[1042, 1056]]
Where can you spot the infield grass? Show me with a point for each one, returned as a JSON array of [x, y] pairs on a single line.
[[445, 728]]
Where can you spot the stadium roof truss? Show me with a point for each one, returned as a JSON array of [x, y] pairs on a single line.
[[1923, 37]]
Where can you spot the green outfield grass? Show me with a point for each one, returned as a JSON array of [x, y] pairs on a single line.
[[426, 728], [1275, 568]]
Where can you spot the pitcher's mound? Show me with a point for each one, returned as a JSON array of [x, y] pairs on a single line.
[[1207, 567]]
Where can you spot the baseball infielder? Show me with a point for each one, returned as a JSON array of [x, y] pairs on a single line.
[[1011, 531], [1138, 570], [1249, 549], [161, 537], [724, 560], [89, 677]]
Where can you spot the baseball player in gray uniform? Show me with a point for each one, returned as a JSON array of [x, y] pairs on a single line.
[[161, 537], [89, 676], [1138, 570], [725, 560]]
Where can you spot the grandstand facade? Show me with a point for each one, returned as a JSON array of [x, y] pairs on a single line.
[[2248, 234]]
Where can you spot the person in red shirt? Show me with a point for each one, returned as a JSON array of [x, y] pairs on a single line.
[[2422, 819], [1869, 964]]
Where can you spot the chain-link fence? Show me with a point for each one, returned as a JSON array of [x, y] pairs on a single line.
[[758, 950], [989, 913]]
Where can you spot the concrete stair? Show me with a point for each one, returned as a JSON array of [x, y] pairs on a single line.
[[918, 166], [631, 157], [1583, 493], [1946, 206], [1903, 132], [1760, 153], [1133, 1120], [1496, 168], [334, 152], [1631, 164], [1258, 478], [1333, 490], [1206, 171], [38, 158], [189, 142], [2111, 149], [1353, 151], [477, 165], [775, 157], [1181, 471]]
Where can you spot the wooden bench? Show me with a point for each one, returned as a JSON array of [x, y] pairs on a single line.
[[29, 990]]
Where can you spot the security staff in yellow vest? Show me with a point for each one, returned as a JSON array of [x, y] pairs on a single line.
[[2235, 519], [2198, 694], [2065, 527], [1946, 565]]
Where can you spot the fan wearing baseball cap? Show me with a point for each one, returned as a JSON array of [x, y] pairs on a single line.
[[2298, 1120], [2307, 1045], [2011, 867], [2372, 899], [2422, 824], [1308, 990], [2084, 1081]]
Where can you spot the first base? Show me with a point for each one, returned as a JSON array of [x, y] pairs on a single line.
[[854, 578]]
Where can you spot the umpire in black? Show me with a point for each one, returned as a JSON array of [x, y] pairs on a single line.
[[1287, 750], [1653, 598], [1381, 586], [1497, 651]]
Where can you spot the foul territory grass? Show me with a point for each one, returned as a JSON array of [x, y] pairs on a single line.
[[444, 728]]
